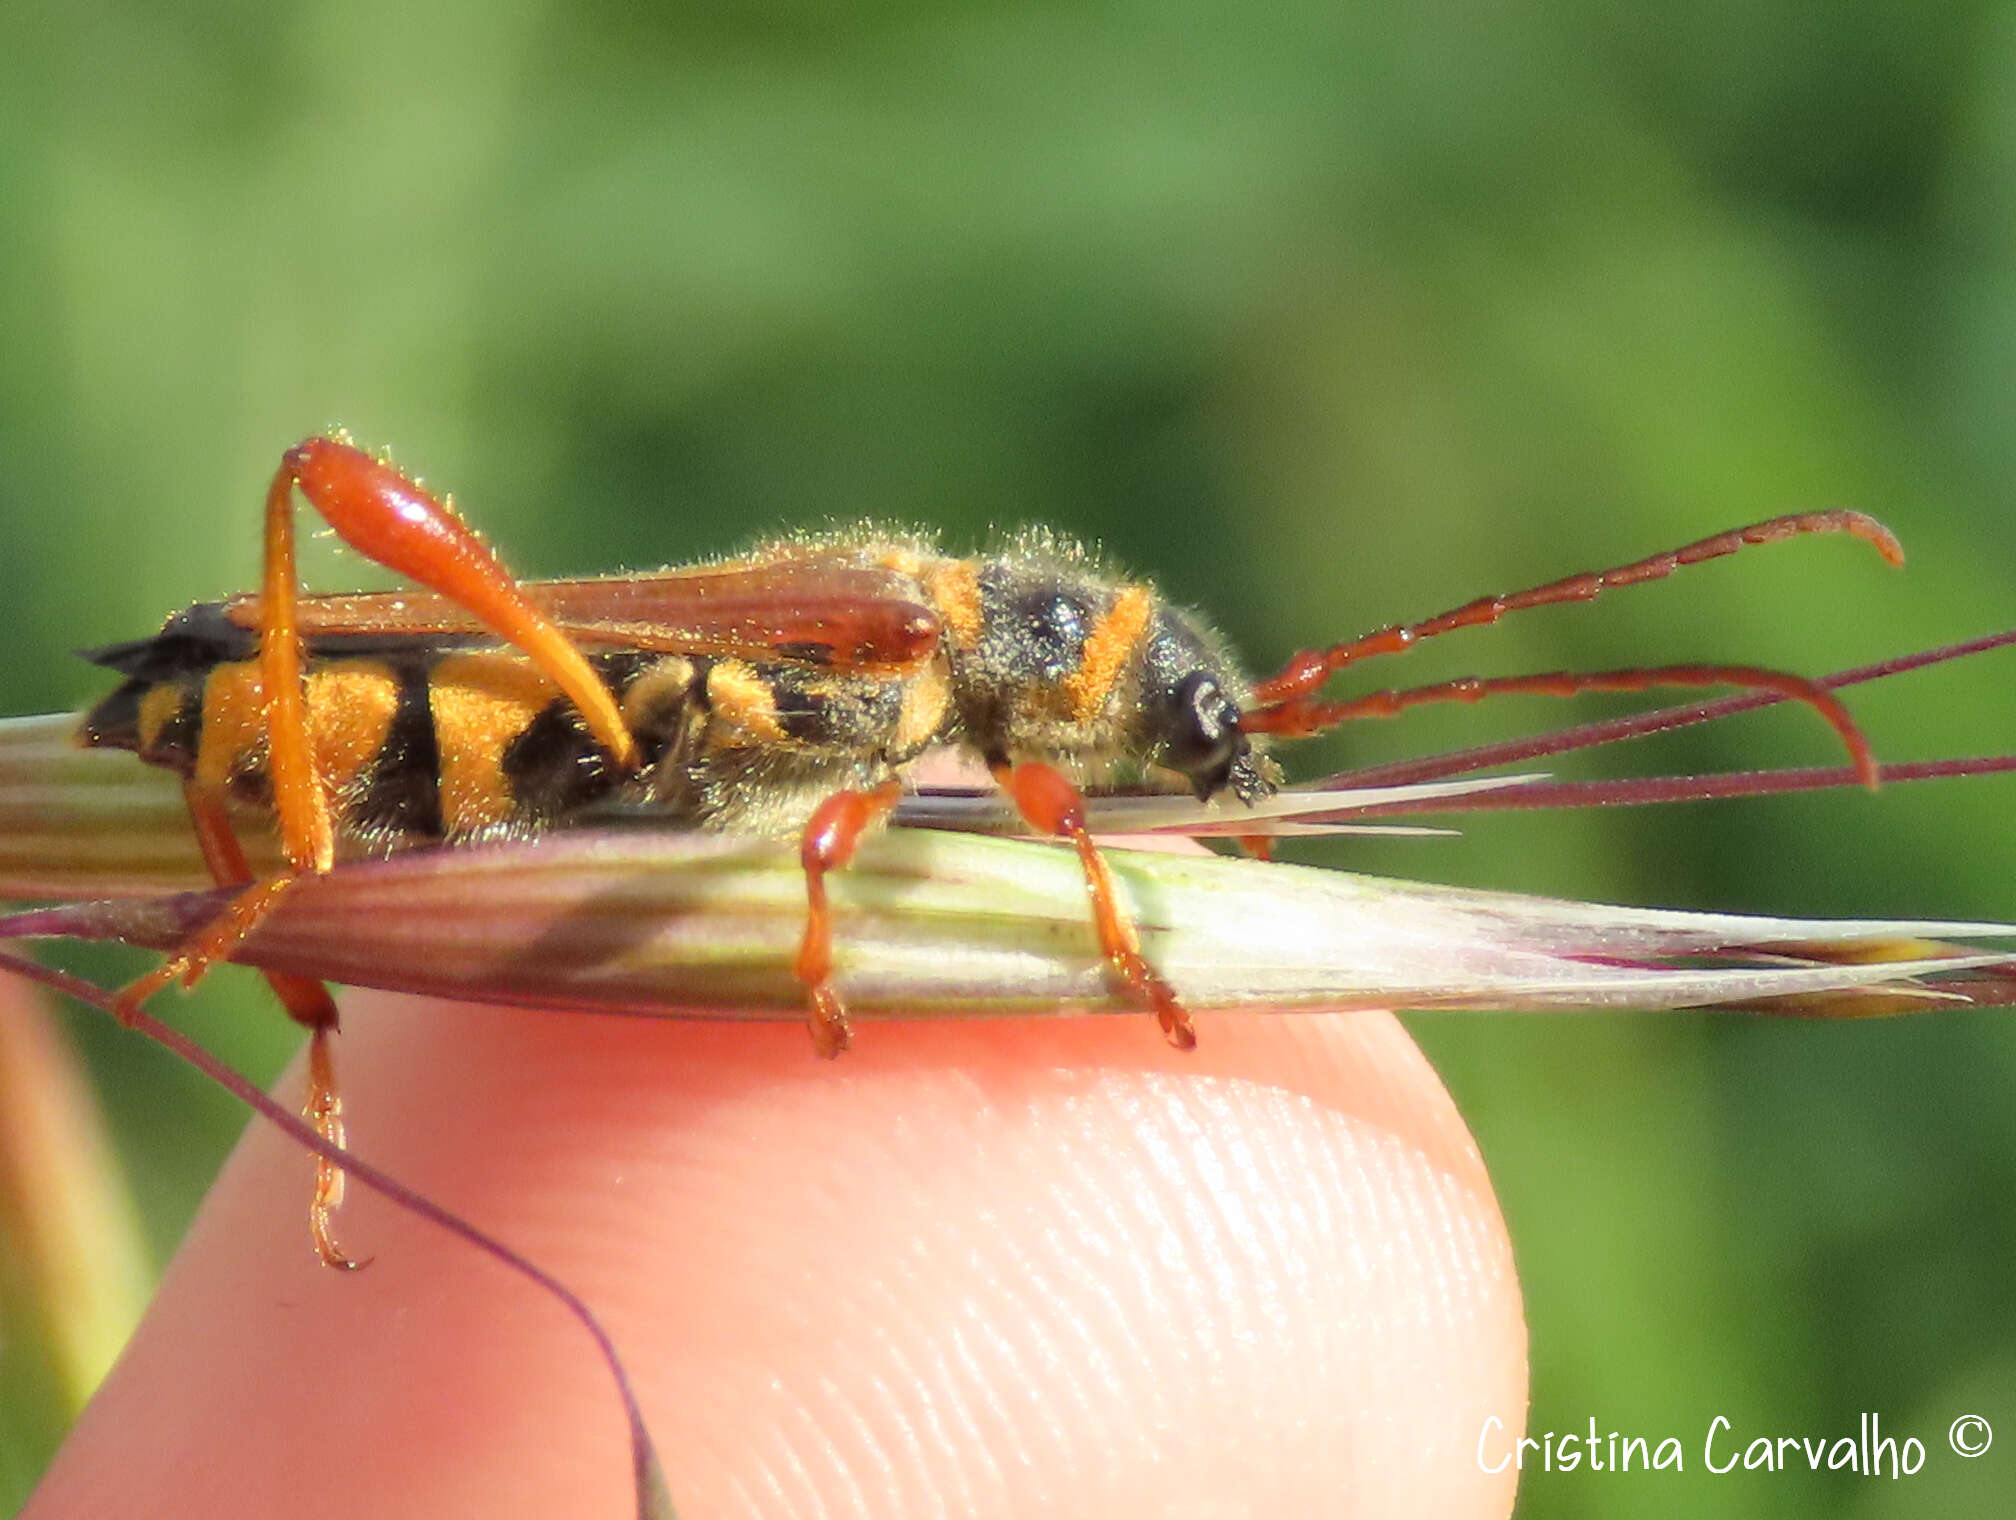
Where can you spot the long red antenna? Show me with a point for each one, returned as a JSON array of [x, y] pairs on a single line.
[[1310, 668], [1299, 717]]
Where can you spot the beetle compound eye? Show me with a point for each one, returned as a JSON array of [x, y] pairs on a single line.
[[1204, 736]]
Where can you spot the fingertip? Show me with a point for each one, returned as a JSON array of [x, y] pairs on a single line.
[[1043, 1266]]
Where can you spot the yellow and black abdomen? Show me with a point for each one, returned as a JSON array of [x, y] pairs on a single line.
[[417, 738], [420, 737]]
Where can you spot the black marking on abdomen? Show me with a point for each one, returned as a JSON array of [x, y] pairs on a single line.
[[554, 766], [115, 722], [404, 793]]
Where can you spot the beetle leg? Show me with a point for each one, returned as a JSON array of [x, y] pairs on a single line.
[[307, 836], [392, 520], [1050, 804], [389, 518], [828, 843], [306, 1000]]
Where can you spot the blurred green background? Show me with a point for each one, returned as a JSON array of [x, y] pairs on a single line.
[[1323, 315]]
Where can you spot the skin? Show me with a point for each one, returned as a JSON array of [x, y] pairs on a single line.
[[1008, 1268]]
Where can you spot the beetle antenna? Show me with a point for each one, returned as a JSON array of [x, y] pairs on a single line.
[[1307, 670], [1300, 717]]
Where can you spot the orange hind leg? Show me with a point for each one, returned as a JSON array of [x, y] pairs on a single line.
[[307, 1001], [390, 518]]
